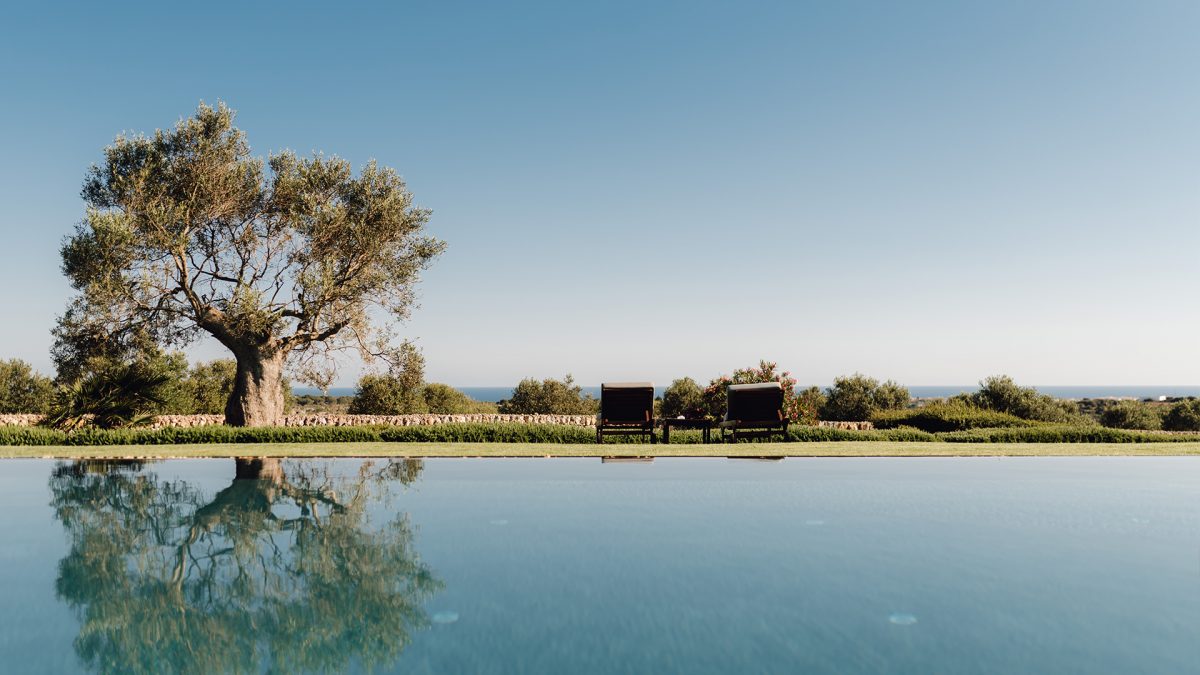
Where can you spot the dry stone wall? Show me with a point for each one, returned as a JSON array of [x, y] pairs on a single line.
[[850, 426], [332, 420], [19, 420]]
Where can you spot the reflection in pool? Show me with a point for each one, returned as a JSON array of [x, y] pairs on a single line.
[[279, 569], [573, 565]]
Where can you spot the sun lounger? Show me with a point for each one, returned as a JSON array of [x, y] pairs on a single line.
[[754, 411], [626, 408]]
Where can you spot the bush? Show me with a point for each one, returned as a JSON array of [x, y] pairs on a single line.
[[794, 408], [387, 395], [1001, 394], [316, 403], [549, 397], [396, 393], [858, 397], [1131, 415], [120, 396], [946, 416], [1183, 416], [684, 398], [22, 390], [808, 405], [209, 386], [443, 399]]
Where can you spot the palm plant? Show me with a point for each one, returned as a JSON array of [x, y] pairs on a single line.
[[120, 397]]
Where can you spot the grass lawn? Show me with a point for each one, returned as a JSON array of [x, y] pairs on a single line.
[[831, 449]]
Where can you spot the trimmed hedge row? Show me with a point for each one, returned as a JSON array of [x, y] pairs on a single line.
[[1063, 434], [549, 433], [14, 435]]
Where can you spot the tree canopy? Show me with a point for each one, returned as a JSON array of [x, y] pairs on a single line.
[[22, 390], [549, 397], [857, 397], [280, 261]]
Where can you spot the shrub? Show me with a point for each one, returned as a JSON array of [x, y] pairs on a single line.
[[396, 393], [715, 397], [808, 405], [386, 395], [122, 396], [318, 401], [946, 416], [858, 397], [22, 390], [443, 399], [683, 398], [549, 397], [1001, 394], [1183, 416], [209, 386], [1131, 415]]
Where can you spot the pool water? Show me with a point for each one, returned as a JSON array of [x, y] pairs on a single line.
[[946, 565]]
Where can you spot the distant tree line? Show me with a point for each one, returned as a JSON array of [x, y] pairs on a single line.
[[130, 386], [402, 390]]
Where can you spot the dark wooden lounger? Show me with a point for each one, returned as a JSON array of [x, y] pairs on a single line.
[[754, 411], [626, 408]]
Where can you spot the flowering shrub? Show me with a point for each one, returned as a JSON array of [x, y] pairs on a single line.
[[798, 410]]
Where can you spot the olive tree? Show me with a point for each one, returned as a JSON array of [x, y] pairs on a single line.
[[281, 261]]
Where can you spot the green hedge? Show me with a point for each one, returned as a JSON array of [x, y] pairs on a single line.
[[437, 433], [1062, 434], [954, 416], [500, 432], [550, 433], [822, 434], [13, 435]]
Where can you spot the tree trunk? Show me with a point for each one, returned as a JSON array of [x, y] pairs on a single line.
[[258, 468], [257, 398]]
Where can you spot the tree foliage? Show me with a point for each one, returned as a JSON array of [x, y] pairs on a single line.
[[1183, 416], [284, 260], [22, 390], [795, 409], [684, 398], [209, 385], [1002, 394], [549, 397], [1132, 415], [857, 397], [808, 405], [446, 400], [398, 392]]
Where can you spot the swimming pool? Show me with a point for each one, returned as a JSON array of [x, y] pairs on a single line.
[[984, 565]]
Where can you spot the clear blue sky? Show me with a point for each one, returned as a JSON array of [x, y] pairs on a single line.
[[926, 191]]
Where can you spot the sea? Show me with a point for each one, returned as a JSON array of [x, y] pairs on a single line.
[[1075, 392]]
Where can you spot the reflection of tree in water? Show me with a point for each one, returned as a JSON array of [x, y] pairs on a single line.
[[280, 570]]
